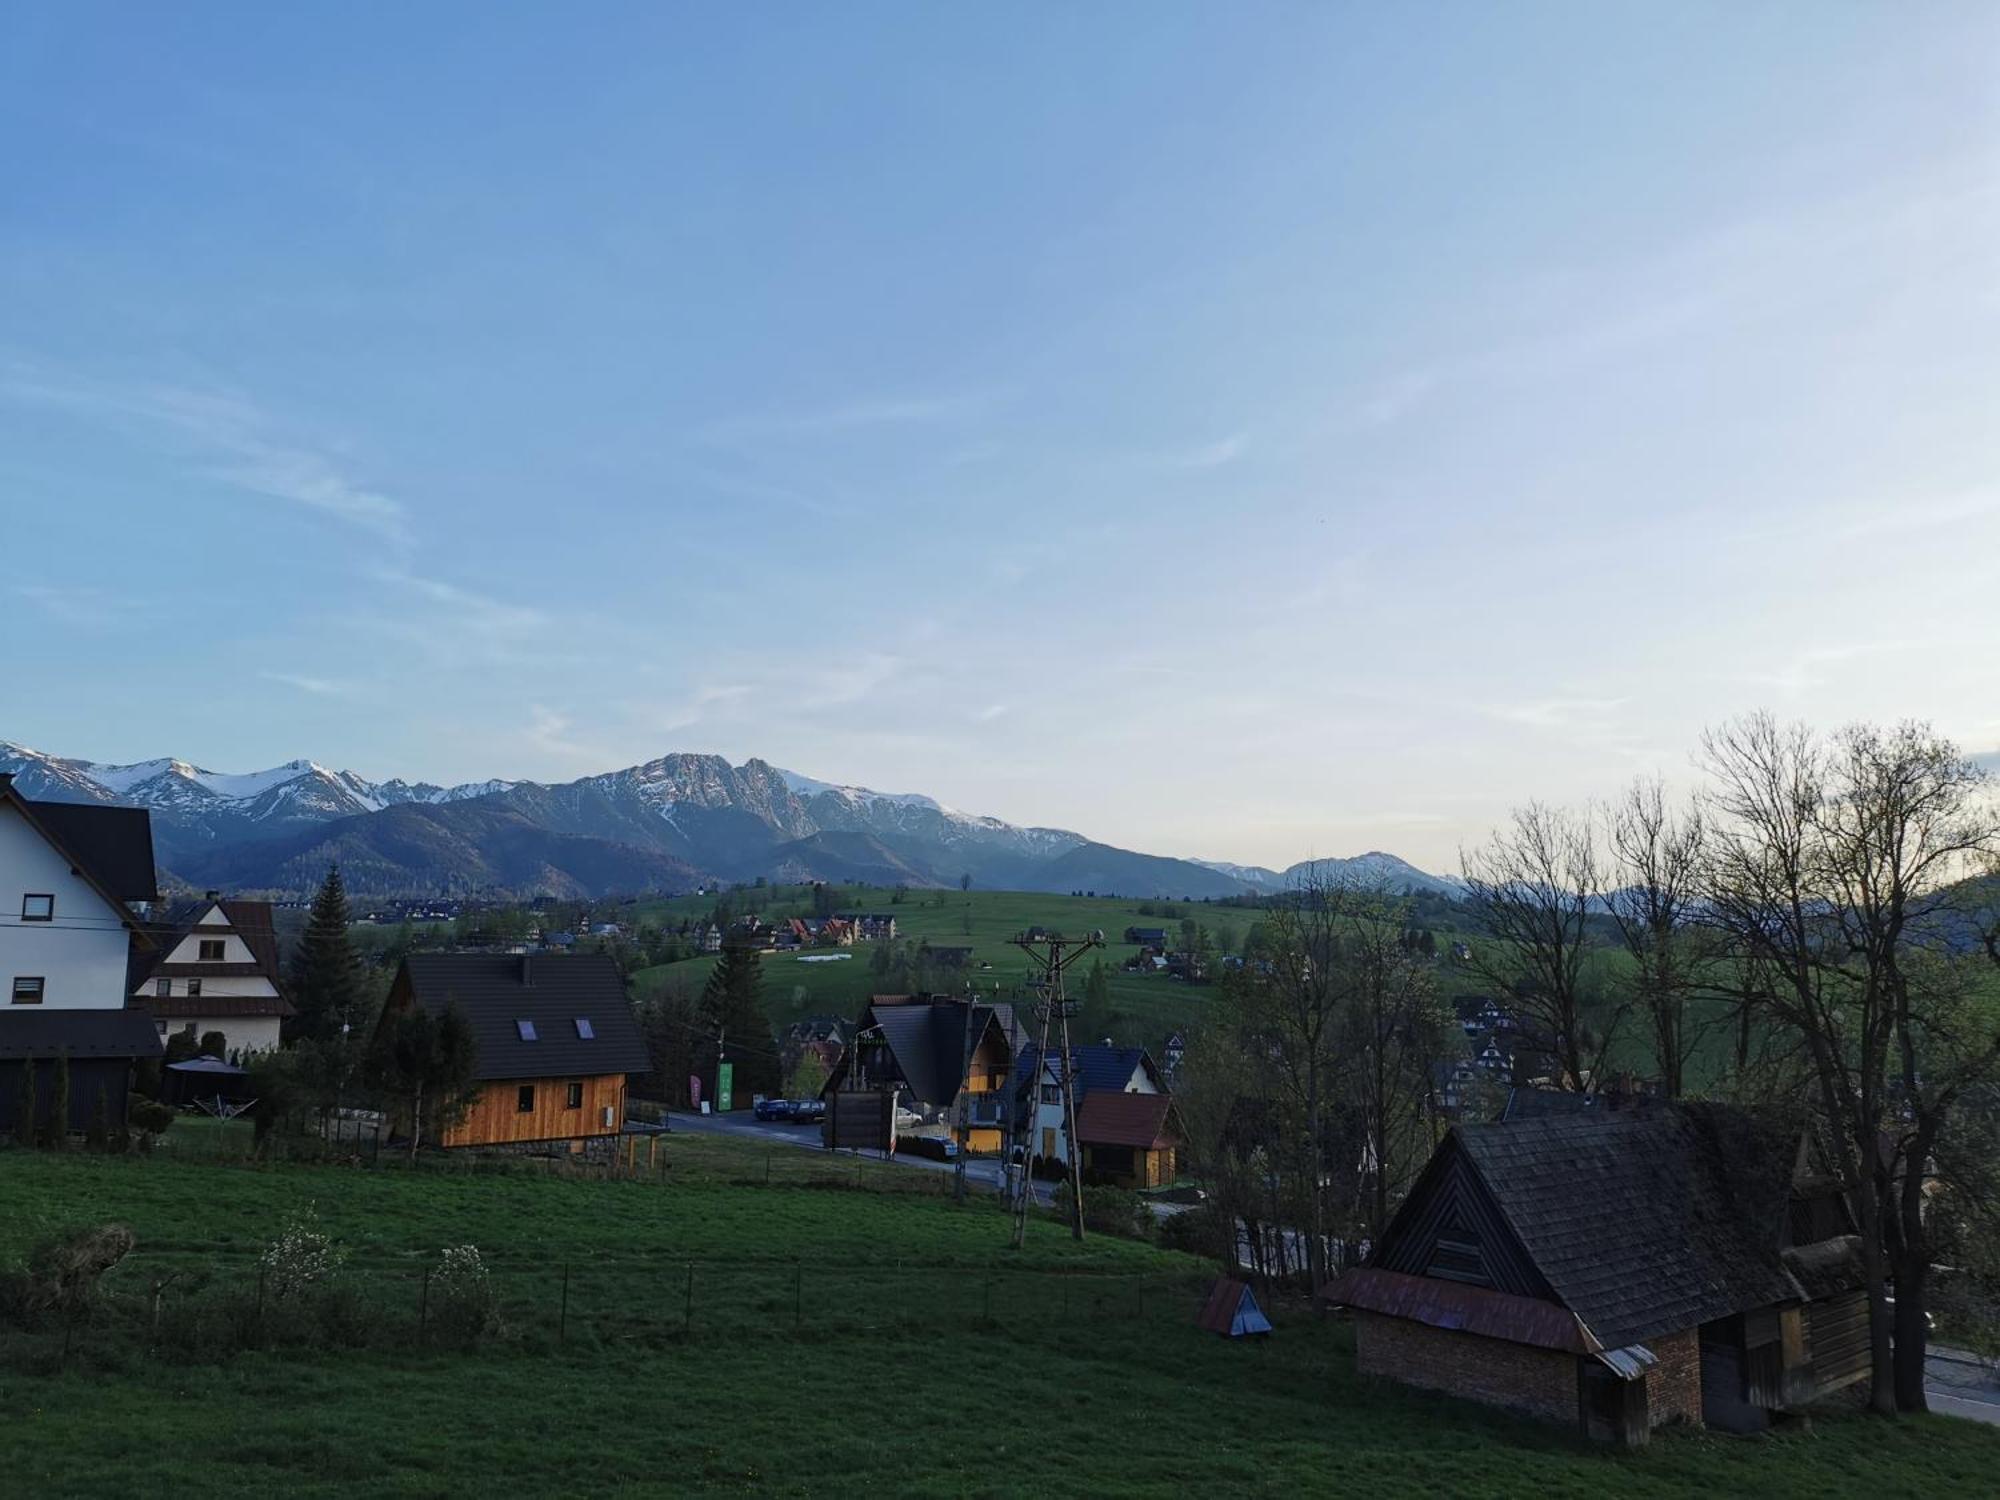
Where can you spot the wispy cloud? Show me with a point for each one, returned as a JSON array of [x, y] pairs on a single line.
[[75, 604], [694, 709], [473, 610], [1568, 715], [322, 687], [226, 437], [1213, 455], [860, 414], [989, 713], [548, 734]]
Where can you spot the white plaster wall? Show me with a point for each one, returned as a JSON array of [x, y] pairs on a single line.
[[81, 953]]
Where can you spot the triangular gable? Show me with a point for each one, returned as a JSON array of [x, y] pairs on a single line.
[[11, 797], [1451, 1228]]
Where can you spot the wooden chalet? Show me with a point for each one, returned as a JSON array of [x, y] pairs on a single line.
[[556, 1038], [1616, 1270], [947, 1061]]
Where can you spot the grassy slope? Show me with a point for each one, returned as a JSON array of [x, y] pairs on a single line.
[[1143, 1008], [890, 1394]]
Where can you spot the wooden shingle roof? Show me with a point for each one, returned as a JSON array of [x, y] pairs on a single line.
[[1648, 1222]]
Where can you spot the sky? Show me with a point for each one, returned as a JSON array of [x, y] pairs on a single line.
[[1252, 432]]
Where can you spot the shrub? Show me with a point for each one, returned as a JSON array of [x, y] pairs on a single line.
[[1109, 1210], [461, 1295], [303, 1255], [149, 1116], [1202, 1230]]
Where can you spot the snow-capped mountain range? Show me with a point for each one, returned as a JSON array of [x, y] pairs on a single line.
[[667, 823]]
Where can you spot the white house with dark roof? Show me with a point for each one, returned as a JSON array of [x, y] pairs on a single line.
[[215, 969], [69, 876]]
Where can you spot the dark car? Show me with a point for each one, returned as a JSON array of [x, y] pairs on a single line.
[[809, 1111], [775, 1109]]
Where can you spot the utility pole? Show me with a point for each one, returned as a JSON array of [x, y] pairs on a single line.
[[1052, 955]]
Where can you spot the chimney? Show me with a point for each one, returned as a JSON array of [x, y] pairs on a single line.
[[211, 895], [527, 979]]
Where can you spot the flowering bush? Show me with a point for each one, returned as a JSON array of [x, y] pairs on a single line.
[[303, 1255], [462, 1292]]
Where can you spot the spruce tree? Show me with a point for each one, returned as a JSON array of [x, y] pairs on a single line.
[[59, 1105], [732, 1004], [326, 971]]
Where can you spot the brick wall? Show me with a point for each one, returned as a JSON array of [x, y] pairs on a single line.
[[1673, 1386], [1540, 1382]]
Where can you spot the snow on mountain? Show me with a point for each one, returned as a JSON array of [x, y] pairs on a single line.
[[806, 786], [1257, 875]]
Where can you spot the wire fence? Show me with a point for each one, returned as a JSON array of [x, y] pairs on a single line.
[[204, 1306]]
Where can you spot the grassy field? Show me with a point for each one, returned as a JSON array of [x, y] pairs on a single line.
[[842, 1341], [1142, 1009]]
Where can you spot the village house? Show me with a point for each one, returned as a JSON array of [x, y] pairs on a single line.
[[874, 927], [214, 969], [1147, 937], [946, 1061], [555, 1035], [69, 876], [1615, 1270], [1127, 1143]]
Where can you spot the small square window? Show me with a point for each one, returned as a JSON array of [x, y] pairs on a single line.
[[576, 1096], [583, 1028], [526, 1030], [28, 989], [524, 1101], [194, 989], [212, 950], [163, 988], [40, 908]]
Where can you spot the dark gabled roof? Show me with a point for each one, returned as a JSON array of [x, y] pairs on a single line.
[[1098, 1067], [80, 1033], [1459, 1306], [928, 1039], [1143, 1121], [114, 845], [558, 990], [1649, 1221]]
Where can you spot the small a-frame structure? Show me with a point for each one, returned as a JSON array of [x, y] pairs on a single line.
[[1232, 1310]]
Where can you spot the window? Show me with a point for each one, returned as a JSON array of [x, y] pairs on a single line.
[[525, 1030], [212, 950], [1051, 1093], [36, 908], [576, 1096], [583, 1028], [27, 989], [194, 989], [163, 988], [524, 1101], [162, 1025]]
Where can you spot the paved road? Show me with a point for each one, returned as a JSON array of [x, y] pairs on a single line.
[[981, 1173], [1962, 1384]]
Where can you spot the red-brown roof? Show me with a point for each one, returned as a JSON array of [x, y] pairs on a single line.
[[1143, 1121], [196, 1007], [1462, 1308]]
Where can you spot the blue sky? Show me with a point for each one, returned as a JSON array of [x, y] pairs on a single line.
[[1244, 431]]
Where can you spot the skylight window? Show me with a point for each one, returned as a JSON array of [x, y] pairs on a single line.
[[583, 1029], [526, 1030]]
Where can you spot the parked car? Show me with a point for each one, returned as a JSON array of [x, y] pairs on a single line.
[[774, 1109], [810, 1110]]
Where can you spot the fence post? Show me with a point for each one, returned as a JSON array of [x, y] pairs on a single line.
[[260, 1300], [424, 1306], [986, 1306], [687, 1311], [769, 1152], [1065, 1284], [562, 1318], [798, 1293]]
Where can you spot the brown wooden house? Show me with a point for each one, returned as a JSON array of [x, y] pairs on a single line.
[[946, 1060], [1617, 1271], [556, 1039], [1128, 1139]]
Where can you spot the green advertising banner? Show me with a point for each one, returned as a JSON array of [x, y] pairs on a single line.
[[725, 1079]]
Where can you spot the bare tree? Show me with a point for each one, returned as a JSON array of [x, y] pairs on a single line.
[[1392, 1031], [1655, 899], [1532, 889], [1829, 868]]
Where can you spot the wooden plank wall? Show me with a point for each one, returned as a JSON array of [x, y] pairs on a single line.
[[496, 1118]]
